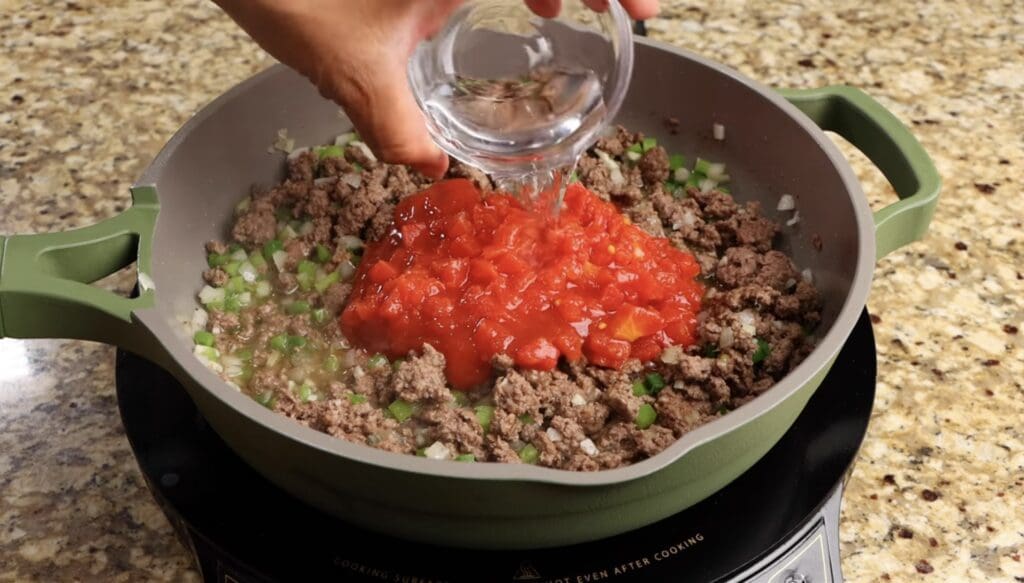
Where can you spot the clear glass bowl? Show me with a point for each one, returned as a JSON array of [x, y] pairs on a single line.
[[517, 94]]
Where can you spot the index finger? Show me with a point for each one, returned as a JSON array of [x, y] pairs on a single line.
[[638, 9]]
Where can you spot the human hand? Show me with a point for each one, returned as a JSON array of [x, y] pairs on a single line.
[[356, 51]]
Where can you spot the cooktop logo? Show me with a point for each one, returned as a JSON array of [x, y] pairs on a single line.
[[526, 572]]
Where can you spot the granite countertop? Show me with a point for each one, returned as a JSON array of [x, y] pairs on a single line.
[[91, 91]]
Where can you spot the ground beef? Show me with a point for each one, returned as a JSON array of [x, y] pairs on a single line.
[[678, 413], [216, 277], [334, 297], [402, 182], [335, 166], [654, 165], [360, 155], [646, 217], [479, 178], [354, 422], [421, 377], [256, 226], [741, 266], [297, 250], [758, 308], [748, 228], [460, 428], [362, 204], [380, 223], [595, 175], [217, 247], [515, 394]]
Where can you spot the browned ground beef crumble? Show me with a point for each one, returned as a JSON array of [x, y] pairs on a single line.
[[754, 293]]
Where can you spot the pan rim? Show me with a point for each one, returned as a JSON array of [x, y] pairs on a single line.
[[157, 318]]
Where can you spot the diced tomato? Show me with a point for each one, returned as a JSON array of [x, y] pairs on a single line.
[[478, 276], [458, 225], [464, 246], [452, 272], [410, 233], [633, 322], [646, 348], [509, 264], [682, 332], [538, 353], [382, 271], [571, 307], [612, 298], [603, 350], [569, 343], [492, 338]]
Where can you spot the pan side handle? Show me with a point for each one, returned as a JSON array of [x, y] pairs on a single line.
[[44, 279], [887, 142]]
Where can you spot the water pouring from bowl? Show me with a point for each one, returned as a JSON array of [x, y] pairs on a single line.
[[520, 90]]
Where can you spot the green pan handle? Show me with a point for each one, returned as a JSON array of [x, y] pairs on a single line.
[[44, 279], [888, 143]]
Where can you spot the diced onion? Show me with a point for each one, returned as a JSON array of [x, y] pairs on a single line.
[[280, 258], [554, 434], [306, 228], [365, 150], [807, 275], [263, 289], [688, 219], [346, 270], [199, 319], [707, 185], [588, 447], [614, 172], [353, 179], [146, 282], [232, 365], [323, 181], [437, 451], [350, 242], [794, 220], [348, 359], [239, 255], [287, 233], [209, 356], [296, 152], [726, 338], [716, 172], [786, 203], [719, 131], [672, 355], [242, 206], [578, 400], [244, 299], [748, 322], [211, 294], [634, 156], [345, 139], [248, 272], [680, 175], [283, 142]]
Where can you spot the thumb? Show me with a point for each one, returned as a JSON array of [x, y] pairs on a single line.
[[381, 106]]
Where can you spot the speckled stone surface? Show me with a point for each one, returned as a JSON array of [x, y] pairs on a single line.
[[90, 91]]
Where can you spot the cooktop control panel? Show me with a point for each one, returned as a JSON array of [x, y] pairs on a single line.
[[813, 556]]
